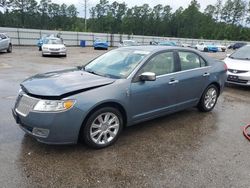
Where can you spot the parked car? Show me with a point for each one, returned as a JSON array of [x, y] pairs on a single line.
[[100, 43], [237, 45], [40, 41], [221, 48], [238, 64], [128, 43], [153, 42], [5, 43], [54, 46], [119, 88], [205, 47]]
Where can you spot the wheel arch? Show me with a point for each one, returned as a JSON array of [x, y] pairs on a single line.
[[115, 105]]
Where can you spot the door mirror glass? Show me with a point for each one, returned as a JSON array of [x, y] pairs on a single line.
[[148, 76]]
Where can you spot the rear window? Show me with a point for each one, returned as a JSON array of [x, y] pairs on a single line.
[[190, 60]]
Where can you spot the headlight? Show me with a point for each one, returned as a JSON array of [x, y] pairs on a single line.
[[53, 105], [63, 48]]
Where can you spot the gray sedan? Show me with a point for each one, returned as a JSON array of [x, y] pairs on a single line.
[[120, 88]]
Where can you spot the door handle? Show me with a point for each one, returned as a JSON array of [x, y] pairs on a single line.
[[172, 81], [206, 74]]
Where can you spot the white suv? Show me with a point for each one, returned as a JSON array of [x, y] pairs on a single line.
[[5, 43]]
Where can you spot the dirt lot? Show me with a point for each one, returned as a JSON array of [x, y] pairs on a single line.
[[186, 149]]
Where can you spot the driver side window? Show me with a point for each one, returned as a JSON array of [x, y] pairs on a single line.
[[160, 64]]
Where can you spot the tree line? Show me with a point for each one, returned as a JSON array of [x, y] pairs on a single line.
[[225, 20]]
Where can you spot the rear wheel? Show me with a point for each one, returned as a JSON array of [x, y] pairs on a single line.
[[208, 99], [40, 48], [102, 128], [9, 50]]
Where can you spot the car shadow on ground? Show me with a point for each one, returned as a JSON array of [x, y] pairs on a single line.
[[238, 87]]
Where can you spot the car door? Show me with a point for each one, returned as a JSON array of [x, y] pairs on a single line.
[[192, 78], [4, 42], [1, 42], [149, 99]]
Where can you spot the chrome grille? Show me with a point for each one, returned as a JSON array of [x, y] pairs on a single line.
[[54, 49], [25, 104], [236, 71]]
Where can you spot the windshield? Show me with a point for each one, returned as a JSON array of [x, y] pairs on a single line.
[[242, 53], [116, 63], [53, 41], [100, 40]]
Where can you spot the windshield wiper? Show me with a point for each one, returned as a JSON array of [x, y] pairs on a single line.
[[92, 72]]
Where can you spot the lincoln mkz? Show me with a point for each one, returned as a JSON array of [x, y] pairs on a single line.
[[123, 87]]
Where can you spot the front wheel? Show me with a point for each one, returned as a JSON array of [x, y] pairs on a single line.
[[208, 99], [102, 128]]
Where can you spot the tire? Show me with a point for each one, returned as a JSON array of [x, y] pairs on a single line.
[[208, 97], [101, 136], [205, 49], [40, 48], [9, 50]]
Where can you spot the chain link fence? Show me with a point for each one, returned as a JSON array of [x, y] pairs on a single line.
[[20, 36]]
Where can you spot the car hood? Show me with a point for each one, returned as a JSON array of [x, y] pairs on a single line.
[[60, 84], [54, 45], [237, 64]]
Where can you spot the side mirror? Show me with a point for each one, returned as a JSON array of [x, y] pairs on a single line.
[[147, 76]]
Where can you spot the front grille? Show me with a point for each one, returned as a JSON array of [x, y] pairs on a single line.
[[236, 71], [54, 49], [237, 81], [25, 104]]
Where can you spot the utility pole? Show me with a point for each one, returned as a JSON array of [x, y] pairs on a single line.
[[85, 15]]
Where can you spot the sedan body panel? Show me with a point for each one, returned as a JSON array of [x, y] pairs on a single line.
[[136, 100]]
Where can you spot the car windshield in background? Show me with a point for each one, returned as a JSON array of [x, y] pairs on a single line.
[[53, 41], [242, 53], [116, 63], [100, 40]]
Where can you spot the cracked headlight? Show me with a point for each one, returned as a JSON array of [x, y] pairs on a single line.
[[53, 105]]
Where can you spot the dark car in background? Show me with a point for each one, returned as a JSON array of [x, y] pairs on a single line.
[[119, 88], [237, 45], [5, 43]]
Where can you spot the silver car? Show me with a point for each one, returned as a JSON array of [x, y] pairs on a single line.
[[238, 64], [120, 88], [5, 43], [54, 46]]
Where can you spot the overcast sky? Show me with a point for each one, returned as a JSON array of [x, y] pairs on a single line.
[[173, 3]]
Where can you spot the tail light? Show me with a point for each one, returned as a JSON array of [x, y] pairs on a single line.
[[225, 66]]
